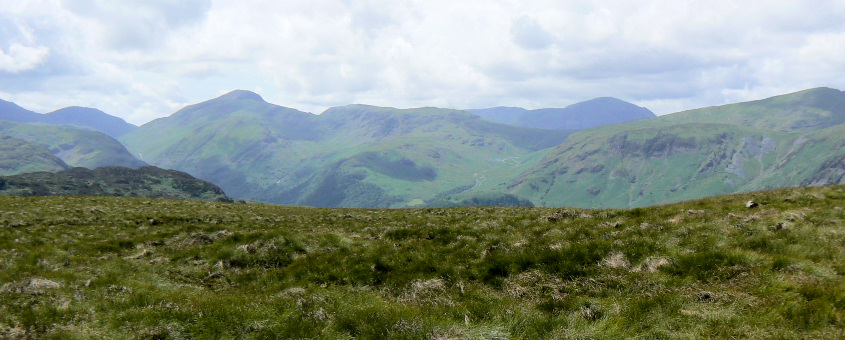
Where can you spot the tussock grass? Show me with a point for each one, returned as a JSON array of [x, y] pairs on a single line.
[[103, 267]]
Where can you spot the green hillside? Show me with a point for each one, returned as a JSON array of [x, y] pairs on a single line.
[[353, 156], [75, 146], [146, 181], [790, 140], [19, 156], [126, 268]]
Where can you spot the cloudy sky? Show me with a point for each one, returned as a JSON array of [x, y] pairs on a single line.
[[143, 59]]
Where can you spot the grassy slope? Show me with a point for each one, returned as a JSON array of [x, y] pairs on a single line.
[[19, 156], [356, 155], [781, 141], [76, 147], [77, 267]]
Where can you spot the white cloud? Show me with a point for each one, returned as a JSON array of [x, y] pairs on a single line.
[[527, 33], [22, 58], [144, 59]]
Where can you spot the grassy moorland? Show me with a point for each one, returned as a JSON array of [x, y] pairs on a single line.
[[108, 267]]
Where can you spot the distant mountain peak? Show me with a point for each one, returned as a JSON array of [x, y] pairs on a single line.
[[91, 118], [75, 107], [594, 112], [242, 95], [822, 89], [611, 104], [606, 99], [78, 111]]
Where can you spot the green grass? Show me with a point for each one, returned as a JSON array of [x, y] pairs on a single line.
[[107, 267]]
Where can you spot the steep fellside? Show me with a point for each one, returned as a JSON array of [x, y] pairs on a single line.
[[145, 181], [76, 147], [19, 156], [583, 115], [356, 155], [790, 140]]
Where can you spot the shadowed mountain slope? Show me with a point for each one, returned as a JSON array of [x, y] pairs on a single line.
[[145, 181]]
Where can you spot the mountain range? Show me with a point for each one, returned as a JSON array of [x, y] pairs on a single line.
[[354, 155], [82, 117], [579, 116], [599, 153]]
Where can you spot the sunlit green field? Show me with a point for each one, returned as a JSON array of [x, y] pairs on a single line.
[[97, 267]]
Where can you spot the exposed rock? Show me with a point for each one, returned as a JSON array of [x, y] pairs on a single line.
[[142, 254], [613, 224], [40, 285], [561, 214]]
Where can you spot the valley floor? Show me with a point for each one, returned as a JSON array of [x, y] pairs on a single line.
[[108, 267]]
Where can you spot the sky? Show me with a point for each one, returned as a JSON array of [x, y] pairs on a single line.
[[144, 59]]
